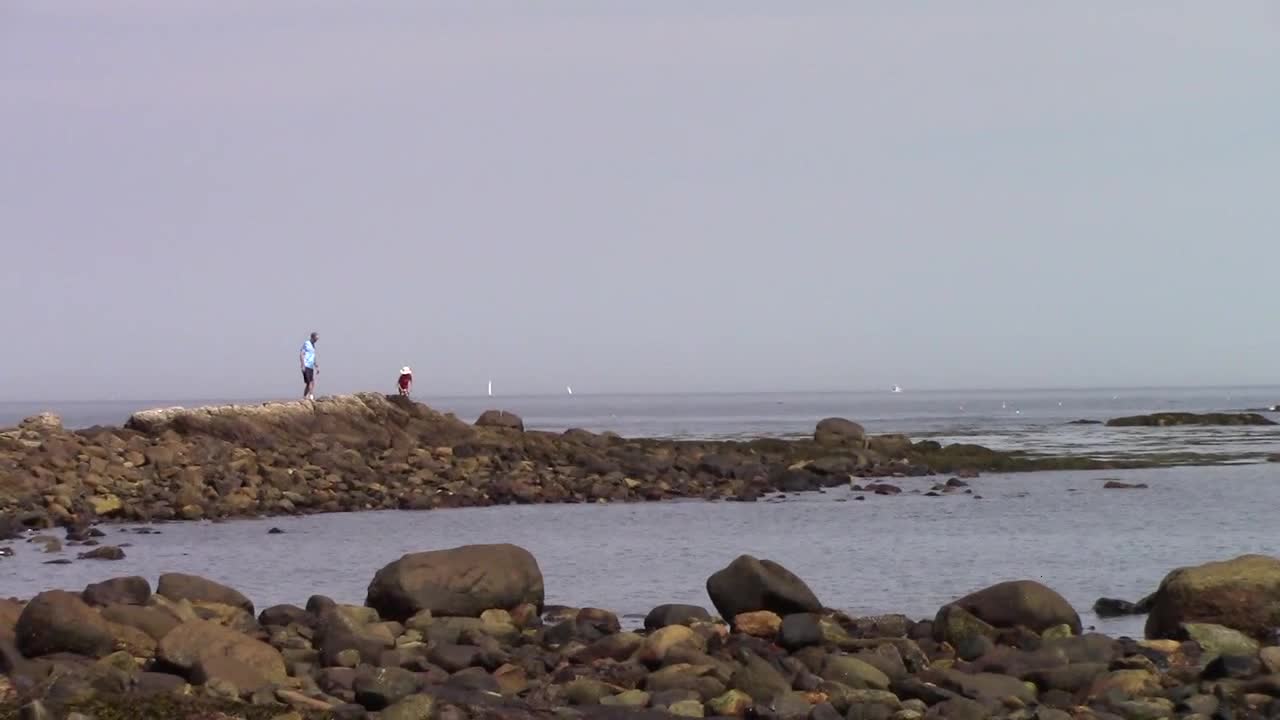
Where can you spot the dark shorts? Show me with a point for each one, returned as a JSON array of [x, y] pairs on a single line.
[[308, 375]]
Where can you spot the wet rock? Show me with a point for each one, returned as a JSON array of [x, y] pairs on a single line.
[[463, 581], [131, 590], [1025, 603], [854, 673], [1112, 607], [106, 552], [47, 543], [179, 586], [1242, 593], [665, 615], [1120, 485], [749, 584]]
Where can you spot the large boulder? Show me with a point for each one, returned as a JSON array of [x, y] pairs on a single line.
[[1024, 603], [205, 651], [749, 584], [59, 621], [500, 419], [463, 581], [195, 589], [1243, 593], [839, 431]]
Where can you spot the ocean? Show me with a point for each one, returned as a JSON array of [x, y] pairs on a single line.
[[1036, 421]]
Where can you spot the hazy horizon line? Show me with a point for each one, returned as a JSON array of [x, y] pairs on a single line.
[[423, 397]]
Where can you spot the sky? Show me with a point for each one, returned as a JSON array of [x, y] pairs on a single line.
[[666, 196]]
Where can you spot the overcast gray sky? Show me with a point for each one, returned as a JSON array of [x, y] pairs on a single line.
[[636, 196]]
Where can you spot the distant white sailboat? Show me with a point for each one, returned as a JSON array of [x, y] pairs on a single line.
[[568, 389], [490, 388], [897, 389]]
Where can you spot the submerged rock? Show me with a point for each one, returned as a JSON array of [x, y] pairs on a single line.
[[1169, 419]]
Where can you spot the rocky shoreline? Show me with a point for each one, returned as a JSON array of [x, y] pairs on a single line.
[[465, 633], [369, 451]]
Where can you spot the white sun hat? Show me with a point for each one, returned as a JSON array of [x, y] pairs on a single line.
[[405, 370]]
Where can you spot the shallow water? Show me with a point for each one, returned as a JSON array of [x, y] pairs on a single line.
[[906, 554]]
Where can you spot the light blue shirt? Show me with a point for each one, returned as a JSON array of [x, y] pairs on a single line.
[[308, 355]]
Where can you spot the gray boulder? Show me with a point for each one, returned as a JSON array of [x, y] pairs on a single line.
[[749, 584], [463, 581]]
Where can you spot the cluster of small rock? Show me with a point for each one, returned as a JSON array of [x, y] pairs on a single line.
[[464, 633]]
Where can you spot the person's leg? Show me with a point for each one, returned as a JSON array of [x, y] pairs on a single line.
[[309, 382]]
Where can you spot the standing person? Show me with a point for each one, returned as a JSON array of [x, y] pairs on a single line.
[[406, 381], [307, 358]]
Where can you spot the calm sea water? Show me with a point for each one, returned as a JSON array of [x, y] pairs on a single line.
[[907, 554], [1032, 420]]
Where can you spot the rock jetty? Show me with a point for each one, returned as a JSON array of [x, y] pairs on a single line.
[[369, 451], [465, 634]]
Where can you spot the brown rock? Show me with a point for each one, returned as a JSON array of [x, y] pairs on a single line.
[[123, 590], [58, 621], [463, 581], [177, 586], [1024, 603], [761, 623], [207, 651]]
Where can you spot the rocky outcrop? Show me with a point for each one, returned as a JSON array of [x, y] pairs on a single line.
[[1172, 419], [749, 584], [462, 581], [1242, 593], [368, 451], [1020, 603]]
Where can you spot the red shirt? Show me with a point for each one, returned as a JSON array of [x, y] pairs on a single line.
[[405, 380]]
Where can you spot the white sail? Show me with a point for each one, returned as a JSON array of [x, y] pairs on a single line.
[[569, 389], [490, 388]]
